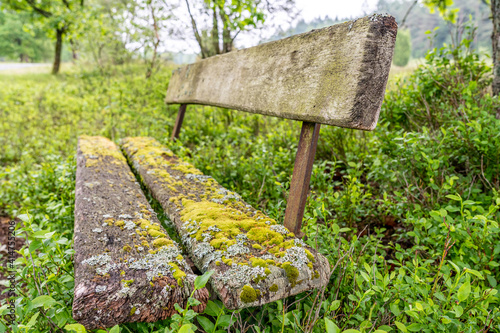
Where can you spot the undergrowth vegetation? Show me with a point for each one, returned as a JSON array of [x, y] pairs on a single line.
[[407, 214]]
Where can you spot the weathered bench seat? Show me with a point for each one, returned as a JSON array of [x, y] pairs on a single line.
[[126, 267], [256, 260]]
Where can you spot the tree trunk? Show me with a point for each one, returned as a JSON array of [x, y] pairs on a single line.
[[57, 57], [495, 38], [215, 32]]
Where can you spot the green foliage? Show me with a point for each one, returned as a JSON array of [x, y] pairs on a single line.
[[407, 215], [402, 49], [19, 45]]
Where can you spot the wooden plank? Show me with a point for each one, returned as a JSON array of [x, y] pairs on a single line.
[[255, 260], [178, 122], [127, 269], [299, 186], [335, 76]]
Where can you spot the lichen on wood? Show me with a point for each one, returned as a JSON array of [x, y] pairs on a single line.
[[117, 278], [256, 260]]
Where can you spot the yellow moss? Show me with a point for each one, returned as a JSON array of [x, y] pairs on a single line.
[[257, 246], [132, 311], [248, 294], [228, 262], [258, 262], [120, 223], [265, 236], [145, 243], [217, 263], [178, 274], [270, 261], [179, 257], [97, 148], [162, 241], [127, 283], [122, 273], [152, 251], [292, 273], [309, 255], [109, 222], [152, 284], [127, 248], [156, 233], [273, 288], [310, 265]]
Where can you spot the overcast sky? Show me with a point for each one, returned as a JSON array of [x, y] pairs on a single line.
[[310, 9], [333, 8]]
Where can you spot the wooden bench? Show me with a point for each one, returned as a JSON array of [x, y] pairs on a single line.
[[126, 267], [334, 76]]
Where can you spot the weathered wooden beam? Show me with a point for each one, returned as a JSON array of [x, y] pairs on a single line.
[[299, 186], [127, 269], [178, 122], [335, 76], [256, 260]]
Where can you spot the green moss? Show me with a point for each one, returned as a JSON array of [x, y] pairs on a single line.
[[273, 288], [248, 294], [292, 273], [162, 241], [257, 246]]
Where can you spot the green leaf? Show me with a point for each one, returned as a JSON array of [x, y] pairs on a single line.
[[226, 321], [186, 328], [365, 276], [331, 327], [115, 329], [202, 280], [458, 310], [463, 291], [475, 273], [212, 309], [335, 305], [395, 309], [33, 319], [401, 326], [78, 328], [205, 323], [454, 197], [350, 331], [415, 327], [44, 300]]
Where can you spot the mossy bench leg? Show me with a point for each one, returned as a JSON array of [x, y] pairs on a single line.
[[299, 186], [126, 267]]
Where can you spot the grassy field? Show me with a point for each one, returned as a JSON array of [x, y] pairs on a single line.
[[407, 214]]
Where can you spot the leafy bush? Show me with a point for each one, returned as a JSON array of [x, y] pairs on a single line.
[[402, 49], [407, 214]]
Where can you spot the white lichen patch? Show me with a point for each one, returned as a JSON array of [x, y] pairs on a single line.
[[129, 225], [103, 261], [297, 256], [157, 264], [279, 228], [100, 289], [98, 230]]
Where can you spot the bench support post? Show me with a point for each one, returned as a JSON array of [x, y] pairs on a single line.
[[299, 186], [178, 122]]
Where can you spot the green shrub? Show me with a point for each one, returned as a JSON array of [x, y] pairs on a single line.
[[402, 49]]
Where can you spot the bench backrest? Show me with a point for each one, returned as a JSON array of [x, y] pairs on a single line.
[[335, 76]]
